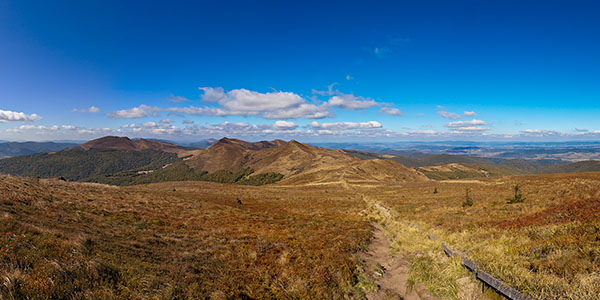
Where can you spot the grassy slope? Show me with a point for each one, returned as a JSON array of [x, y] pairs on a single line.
[[548, 246], [177, 240], [469, 171], [581, 166]]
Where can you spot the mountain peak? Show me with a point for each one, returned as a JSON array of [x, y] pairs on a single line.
[[125, 143]]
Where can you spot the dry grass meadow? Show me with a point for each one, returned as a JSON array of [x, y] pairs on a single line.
[[547, 246], [177, 240], [203, 240]]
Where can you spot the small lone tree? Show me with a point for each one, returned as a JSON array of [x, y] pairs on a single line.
[[435, 190], [468, 201], [518, 197]]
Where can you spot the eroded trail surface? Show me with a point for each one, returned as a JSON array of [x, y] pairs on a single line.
[[390, 272]]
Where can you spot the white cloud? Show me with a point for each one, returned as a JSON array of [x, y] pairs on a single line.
[[469, 113], [91, 109], [469, 129], [28, 127], [285, 125], [349, 77], [270, 105], [13, 116], [464, 124], [136, 112], [166, 121], [351, 102], [541, 133], [448, 115], [305, 110], [243, 100], [421, 132], [346, 125], [149, 124], [390, 111], [203, 111], [532, 131], [188, 122]]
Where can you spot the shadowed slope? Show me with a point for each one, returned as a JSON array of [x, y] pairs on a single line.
[[124, 143]]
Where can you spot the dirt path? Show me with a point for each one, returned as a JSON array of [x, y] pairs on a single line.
[[391, 273]]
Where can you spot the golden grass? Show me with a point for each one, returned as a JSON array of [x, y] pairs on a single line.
[[178, 240], [547, 246]]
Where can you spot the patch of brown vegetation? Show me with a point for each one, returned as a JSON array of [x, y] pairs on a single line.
[[177, 240], [586, 210]]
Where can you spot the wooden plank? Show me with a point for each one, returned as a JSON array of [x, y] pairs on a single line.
[[469, 264], [501, 287]]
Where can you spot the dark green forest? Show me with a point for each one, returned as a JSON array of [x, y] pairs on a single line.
[[121, 167]]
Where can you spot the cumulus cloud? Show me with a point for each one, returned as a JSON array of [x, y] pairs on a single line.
[[390, 111], [351, 102], [349, 77], [469, 113], [467, 127], [91, 109], [464, 124], [305, 110], [541, 133], [345, 101], [188, 121], [346, 125], [39, 127], [448, 115], [135, 112], [285, 125], [420, 132], [239, 100], [13, 116]]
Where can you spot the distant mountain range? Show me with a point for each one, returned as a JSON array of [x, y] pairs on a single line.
[[8, 149], [122, 161], [553, 152], [446, 166]]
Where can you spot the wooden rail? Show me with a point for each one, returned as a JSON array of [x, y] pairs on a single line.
[[487, 279]]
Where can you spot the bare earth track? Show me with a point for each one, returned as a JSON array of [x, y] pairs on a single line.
[[392, 281]]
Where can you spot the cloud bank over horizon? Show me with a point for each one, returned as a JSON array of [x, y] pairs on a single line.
[[281, 106]]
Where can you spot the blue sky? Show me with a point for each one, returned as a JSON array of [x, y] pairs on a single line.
[[311, 71]]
